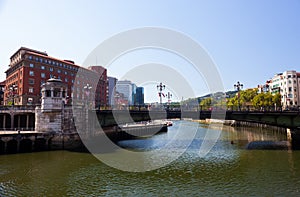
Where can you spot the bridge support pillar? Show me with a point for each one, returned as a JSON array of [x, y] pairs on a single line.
[[295, 135], [27, 121], [5, 146], [12, 121], [4, 121], [19, 121]]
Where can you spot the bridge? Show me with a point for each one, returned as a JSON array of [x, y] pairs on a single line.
[[286, 119], [17, 124], [17, 117], [23, 117]]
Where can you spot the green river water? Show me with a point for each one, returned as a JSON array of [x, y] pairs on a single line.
[[229, 169]]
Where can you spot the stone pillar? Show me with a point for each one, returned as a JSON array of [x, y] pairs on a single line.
[[12, 121], [27, 121], [52, 92], [4, 121], [19, 121]]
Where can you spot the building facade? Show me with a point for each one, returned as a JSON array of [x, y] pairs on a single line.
[[112, 82], [288, 85], [2, 89], [29, 69], [133, 94], [124, 87], [101, 94], [139, 97]]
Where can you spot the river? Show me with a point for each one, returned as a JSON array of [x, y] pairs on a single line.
[[229, 169]]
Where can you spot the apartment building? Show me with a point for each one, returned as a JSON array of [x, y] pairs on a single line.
[[288, 85], [29, 69]]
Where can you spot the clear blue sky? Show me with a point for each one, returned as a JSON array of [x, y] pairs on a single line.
[[249, 41]]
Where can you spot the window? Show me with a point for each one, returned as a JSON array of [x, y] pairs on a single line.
[[43, 67], [48, 93], [49, 61], [58, 71], [31, 73], [43, 75], [30, 57], [52, 118], [290, 89], [290, 95], [289, 76], [41, 60], [30, 90], [31, 65], [290, 81], [66, 72], [31, 81], [51, 69], [66, 79]]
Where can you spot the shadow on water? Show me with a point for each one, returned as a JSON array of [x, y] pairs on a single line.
[[268, 145]]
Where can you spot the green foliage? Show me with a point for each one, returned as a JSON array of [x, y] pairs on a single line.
[[250, 97], [267, 100], [206, 103]]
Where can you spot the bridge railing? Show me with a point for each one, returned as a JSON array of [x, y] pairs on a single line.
[[18, 107]]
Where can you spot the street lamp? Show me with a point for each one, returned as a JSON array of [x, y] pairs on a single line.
[[160, 88], [169, 96], [87, 90], [238, 86], [12, 89]]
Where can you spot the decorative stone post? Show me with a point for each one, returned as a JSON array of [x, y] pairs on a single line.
[[49, 117]]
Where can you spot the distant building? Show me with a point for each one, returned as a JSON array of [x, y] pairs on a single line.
[[288, 85], [133, 94], [2, 89], [101, 90], [125, 88], [139, 96], [112, 82], [29, 69]]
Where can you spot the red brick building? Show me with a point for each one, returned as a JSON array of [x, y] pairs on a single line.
[[29, 69]]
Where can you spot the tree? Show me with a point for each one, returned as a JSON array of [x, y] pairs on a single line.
[[266, 100], [206, 103]]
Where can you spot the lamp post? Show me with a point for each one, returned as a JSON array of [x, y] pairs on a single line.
[[160, 88], [87, 90], [12, 89], [238, 86], [169, 96]]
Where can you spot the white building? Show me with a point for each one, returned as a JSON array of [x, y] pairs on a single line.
[[125, 87], [288, 85]]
